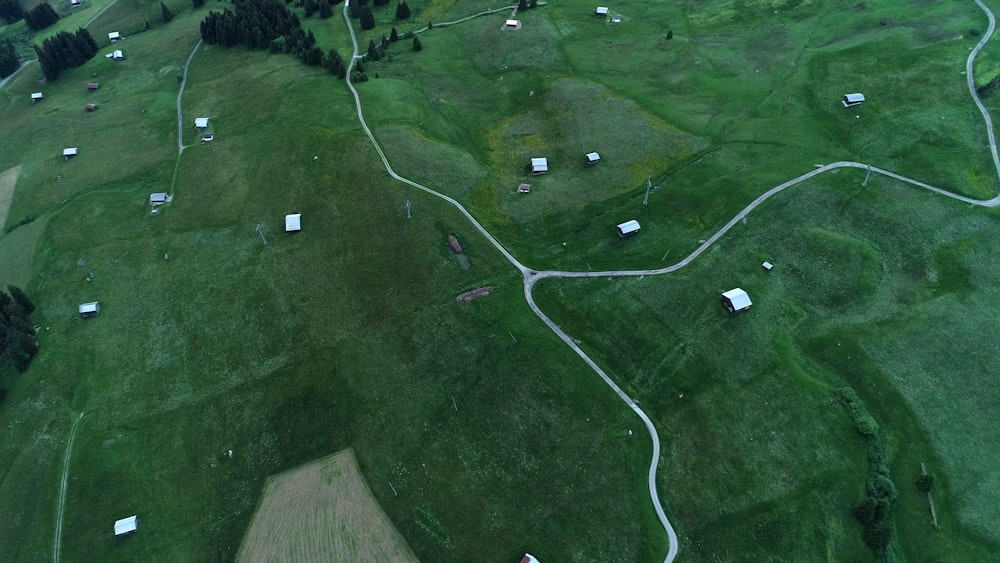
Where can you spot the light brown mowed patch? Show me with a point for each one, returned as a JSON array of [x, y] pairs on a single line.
[[8, 179], [319, 512]]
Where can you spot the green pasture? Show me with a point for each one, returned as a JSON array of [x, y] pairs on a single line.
[[497, 439], [882, 288]]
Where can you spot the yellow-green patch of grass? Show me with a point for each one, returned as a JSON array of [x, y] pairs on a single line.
[[17, 253]]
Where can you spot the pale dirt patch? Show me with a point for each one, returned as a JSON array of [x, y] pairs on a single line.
[[319, 512], [8, 179]]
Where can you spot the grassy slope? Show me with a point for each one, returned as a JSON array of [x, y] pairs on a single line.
[[866, 292], [347, 334], [377, 359]]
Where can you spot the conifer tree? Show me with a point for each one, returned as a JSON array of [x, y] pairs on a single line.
[[402, 11], [167, 14], [416, 44]]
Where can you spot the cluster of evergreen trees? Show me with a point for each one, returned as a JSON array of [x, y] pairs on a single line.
[[65, 50], [268, 24], [17, 334], [10, 11], [40, 17], [9, 61]]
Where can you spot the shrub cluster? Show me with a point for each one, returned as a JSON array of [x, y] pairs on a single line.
[[17, 334], [65, 50], [40, 17], [873, 511]]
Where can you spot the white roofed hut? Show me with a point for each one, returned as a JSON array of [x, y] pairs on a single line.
[[118, 55], [539, 166], [512, 24], [158, 198], [628, 228], [70, 152], [37, 96], [853, 100], [114, 36], [736, 300], [593, 158], [201, 123], [601, 12], [91, 309], [293, 223], [126, 526]]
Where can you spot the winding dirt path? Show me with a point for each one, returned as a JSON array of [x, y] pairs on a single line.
[[180, 96], [532, 276]]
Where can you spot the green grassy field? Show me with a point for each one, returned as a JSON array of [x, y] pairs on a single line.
[[496, 438]]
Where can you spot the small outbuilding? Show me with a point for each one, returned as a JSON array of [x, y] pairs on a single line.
[[511, 24], [70, 152], [91, 107], [853, 100], [118, 55], [601, 12], [158, 198], [91, 86], [524, 188], [617, 18], [293, 223], [593, 158], [114, 36], [201, 123], [628, 228], [37, 97], [208, 137], [75, 3], [126, 526], [767, 266], [539, 166], [91, 309], [736, 300]]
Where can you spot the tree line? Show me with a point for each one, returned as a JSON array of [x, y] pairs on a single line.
[[65, 50], [40, 17], [9, 61], [18, 341]]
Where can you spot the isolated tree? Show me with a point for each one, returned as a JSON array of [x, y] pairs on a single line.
[[372, 51], [393, 35], [877, 536], [416, 44], [402, 11], [367, 19], [21, 299], [670, 34], [167, 14], [522, 5]]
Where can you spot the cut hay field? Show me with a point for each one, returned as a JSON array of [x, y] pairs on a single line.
[[322, 511], [8, 181], [496, 438]]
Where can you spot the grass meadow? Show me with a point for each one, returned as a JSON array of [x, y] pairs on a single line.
[[495, 437]]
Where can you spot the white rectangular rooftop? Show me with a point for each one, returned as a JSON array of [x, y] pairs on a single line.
[[70, 151], [593, 157], [628, 228], [601, 11], [293, 222], [37, 96], [853, 99], [738, 299], [201, 122], [118, 55], [114, 36], [126, 526], [539, 165]]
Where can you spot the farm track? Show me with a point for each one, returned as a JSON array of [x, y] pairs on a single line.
[[57, 542], [532, 276]]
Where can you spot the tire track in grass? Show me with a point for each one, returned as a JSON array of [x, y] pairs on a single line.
[[532, 276], [57, 543]]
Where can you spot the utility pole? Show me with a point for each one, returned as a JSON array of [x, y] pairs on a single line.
[[260, 231], [649, 186], [409, 215], [869, 173]]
